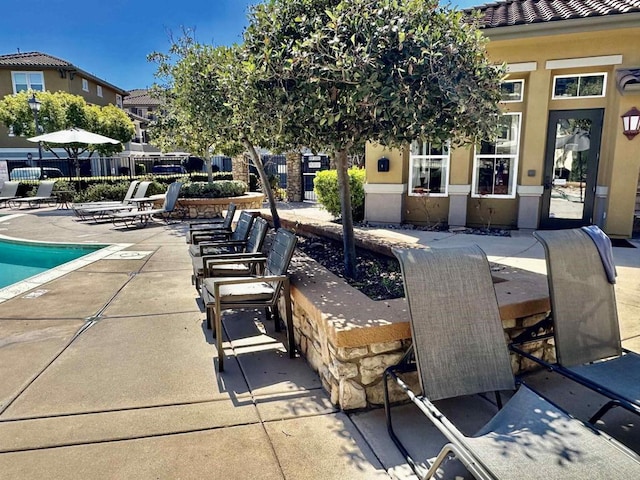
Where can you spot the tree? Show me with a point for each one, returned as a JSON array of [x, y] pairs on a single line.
[[62, 110], [211, 103], [391, 71]]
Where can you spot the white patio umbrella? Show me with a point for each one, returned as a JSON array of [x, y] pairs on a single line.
[[73, 135], [74, 141]]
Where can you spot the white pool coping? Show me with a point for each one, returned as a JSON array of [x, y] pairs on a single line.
[[40, 279]]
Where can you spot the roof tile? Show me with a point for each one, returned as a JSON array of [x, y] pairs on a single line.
[[519, 12]]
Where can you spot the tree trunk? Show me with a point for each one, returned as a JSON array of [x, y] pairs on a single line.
[[207, 163], [266, 186], [348, 238]]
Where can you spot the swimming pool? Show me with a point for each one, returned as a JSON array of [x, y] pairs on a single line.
[[21, 260], [26, 265]]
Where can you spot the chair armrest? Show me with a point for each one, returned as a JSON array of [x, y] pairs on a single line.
[[231, 261], [200, 237], [247, 280]]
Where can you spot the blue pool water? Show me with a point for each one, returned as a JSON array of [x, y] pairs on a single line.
[[21, 260]]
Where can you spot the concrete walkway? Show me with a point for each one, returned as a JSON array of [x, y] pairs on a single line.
[[108, 372]]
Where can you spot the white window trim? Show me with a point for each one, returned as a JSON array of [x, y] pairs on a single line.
[[601, 61], [580, 75], [446, 165], [85, 85], [26, 72], [512, 177], [521, 99], [118, 100], [99, 90]]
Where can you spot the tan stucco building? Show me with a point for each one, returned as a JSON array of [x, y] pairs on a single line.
[[42, 72], [561, 159]]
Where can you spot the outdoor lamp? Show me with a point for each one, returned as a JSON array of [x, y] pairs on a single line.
[[631, 123], [34, 104]]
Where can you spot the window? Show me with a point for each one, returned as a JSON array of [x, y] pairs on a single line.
[[99, 90], [27, 81], [429, 169], [495, 163], [512, 91], [589, 85], [118, 101], [85, 84]]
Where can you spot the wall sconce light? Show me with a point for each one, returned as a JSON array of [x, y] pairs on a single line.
[[383, 164], [631, 123]]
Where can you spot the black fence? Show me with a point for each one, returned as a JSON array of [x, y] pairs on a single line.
[[126, 168]]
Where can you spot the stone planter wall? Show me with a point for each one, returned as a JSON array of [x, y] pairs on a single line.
[[214, 207], [350, 339]]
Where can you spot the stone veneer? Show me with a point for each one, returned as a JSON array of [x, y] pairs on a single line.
[[350, 339], [214, 207]]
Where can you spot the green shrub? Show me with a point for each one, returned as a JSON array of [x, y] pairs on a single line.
[[216, 189], [103, 191], [326, 187]]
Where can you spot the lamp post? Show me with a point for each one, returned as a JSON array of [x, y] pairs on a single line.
[[35, 105]]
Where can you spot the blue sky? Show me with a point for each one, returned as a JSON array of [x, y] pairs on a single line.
[[111, 39]]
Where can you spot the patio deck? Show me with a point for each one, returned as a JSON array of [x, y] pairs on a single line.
[[110, 373]]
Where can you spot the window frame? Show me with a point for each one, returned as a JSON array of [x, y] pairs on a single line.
[[521, 99], [118, 100], [99, 91], [85, 84], [27, 73], [446, 159], [579, 76], [515, 158]]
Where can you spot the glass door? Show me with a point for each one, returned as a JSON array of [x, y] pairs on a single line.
[[571, 168]]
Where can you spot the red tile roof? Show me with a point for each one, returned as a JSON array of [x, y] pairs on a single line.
[[521, 12], [140, 96], [32, 59]]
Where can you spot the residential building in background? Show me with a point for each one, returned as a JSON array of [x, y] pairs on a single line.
[[43, 72], [560, 159], [142, 109]]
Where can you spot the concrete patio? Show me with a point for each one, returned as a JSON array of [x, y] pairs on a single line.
[[108, 372]]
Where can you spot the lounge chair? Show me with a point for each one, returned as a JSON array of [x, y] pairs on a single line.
[[99, 212], [214, 224], [103, 203], [222, 293], [142, 217], [43, 195], [459, 349], [9, 191], [227, 249], [208, 242], [585, 319]]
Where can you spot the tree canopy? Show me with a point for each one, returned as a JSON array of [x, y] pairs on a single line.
[[390, 71], [62, 110]]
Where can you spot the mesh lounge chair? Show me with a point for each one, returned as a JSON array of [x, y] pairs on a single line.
[[213, 225], [210, 243], [251, 247], [99, 212], [459, 349], [9, 191], [43, 195], [142, 217], [222, 293], [586, 330], [79, 207]]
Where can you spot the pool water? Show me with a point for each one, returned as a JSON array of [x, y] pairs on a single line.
[[21, 260]]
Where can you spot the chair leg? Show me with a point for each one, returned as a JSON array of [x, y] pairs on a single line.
[[289, 320], [218, 332]]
